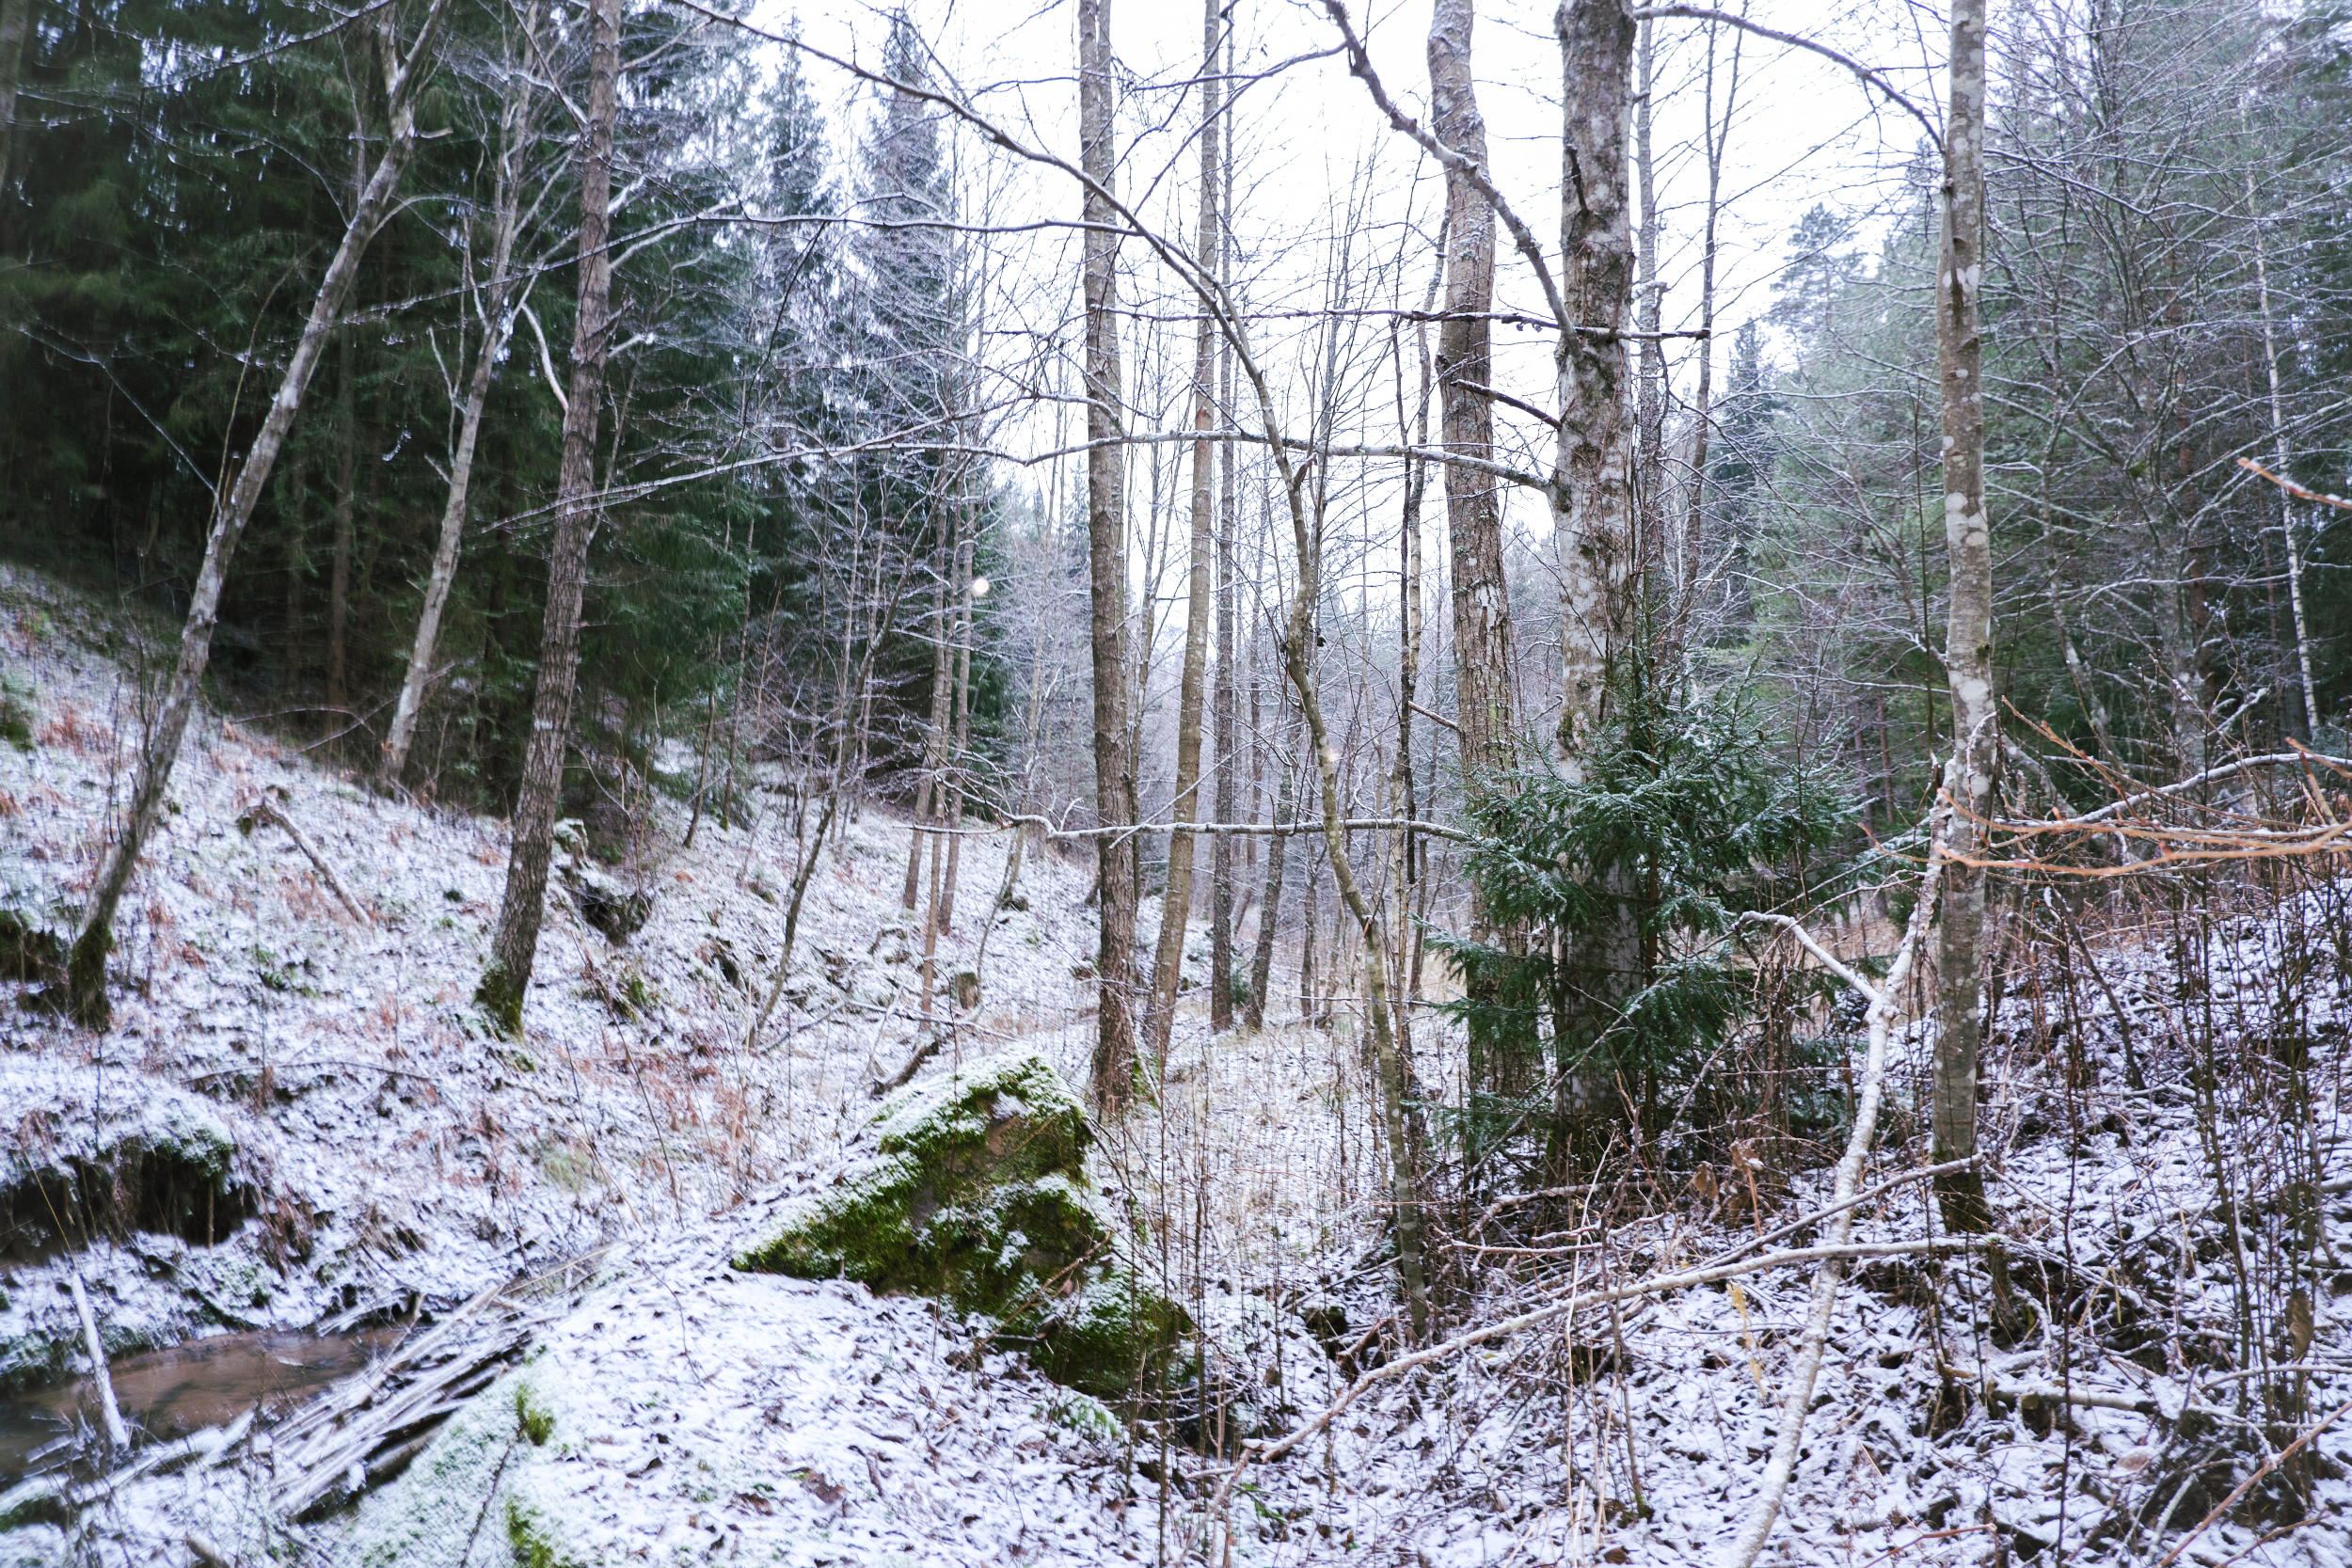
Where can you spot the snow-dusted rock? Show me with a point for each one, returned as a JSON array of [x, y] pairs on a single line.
[[685, 1412], [973, 1190]]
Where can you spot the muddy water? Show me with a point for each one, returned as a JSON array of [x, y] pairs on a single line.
[[170, 1393]]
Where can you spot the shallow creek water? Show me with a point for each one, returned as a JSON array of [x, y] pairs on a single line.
[[169, 1393]]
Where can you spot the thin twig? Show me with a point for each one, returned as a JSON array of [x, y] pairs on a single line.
[[266, 811], [2244, 1486], [1825, 1283]]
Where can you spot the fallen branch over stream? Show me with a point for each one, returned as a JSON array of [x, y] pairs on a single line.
[[118, 1436], [366, 1431]]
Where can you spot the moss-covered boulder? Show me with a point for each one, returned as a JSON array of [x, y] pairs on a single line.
[[971, 1189]]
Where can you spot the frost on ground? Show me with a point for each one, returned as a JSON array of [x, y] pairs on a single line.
[[299, 1119]]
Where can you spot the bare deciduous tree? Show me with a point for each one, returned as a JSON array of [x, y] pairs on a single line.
[[1969, 635], [516, 943], [404, 67], [1114, 1063]]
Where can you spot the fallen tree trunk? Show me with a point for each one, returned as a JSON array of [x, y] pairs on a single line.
[[366, 1431], [118, 1434]]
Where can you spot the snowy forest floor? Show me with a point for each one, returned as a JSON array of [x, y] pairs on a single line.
[[2168, 1247]]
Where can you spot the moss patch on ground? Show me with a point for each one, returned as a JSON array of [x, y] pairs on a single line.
[[975, 1193]]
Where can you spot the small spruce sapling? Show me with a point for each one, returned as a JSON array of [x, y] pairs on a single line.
[[1687, 815]]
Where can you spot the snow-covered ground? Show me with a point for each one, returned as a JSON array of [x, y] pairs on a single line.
[[399, 1148], [386, 1156]]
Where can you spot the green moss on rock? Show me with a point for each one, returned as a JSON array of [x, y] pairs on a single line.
[[502, 1001], [500, 1466], [975, 1192]]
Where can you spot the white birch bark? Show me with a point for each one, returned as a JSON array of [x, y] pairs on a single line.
[[1968, 632]]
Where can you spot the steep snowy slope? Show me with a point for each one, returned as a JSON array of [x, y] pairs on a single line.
[[299, 1119]]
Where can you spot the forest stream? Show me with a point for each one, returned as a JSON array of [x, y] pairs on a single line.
[[170, 1393]]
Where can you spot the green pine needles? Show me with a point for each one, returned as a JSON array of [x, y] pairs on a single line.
[[1603, 975]]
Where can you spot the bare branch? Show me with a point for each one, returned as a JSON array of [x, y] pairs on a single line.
[[2293, 489], [1869, 76], [1360, 67]]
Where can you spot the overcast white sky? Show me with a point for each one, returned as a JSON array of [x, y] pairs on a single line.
[[1804, 131], [1314, 152]]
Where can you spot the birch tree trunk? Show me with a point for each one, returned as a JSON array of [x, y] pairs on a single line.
[[1593, 474], [1485, 662], [1968, 633], [516, 945], [2278, 454], [496, 313], [1176, 905], [1594, 494], [160, 751], [1222, 699], [1113, 1073]]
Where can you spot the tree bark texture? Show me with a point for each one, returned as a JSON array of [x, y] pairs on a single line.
[[1176, 904], [1484, 660], [1113, 1074], [1593, 474], [1222, 698], [1409, 850], [160, 751], [2278, 454], [1270, 901], [1394, 1074], [1650, 487], [959, 733], [1310, 1010], [516, 945], [1702, 402], [928, 794], [1595, 519], [1485, 699], [1968, 633]]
